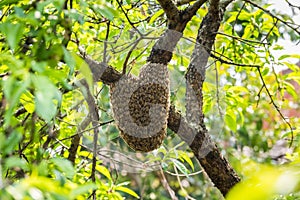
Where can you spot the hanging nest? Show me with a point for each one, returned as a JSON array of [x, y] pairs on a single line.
[[140, 106]]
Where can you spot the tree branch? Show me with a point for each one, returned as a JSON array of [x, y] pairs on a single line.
[[190, 11], [165, 183], [163, 48], [210, 158], [170, 9], [225, 3], [233, 63], [275, 105], [183, 2]]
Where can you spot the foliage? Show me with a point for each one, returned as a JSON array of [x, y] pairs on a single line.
[[43, 106]]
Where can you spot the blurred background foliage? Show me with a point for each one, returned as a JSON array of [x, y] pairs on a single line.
[[251, 102]]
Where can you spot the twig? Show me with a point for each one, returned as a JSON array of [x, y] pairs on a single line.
[[4, 13], [80, 133], [191, 10], [181, 187], [244, 40], [136, 164], [270, 31], [165, 184], [258, 95], [75, 140], [105, 43], [140, 54], [232, 32], [218, 92], [129, 53], [184, 175], [276, 106], [232, 63], [129, 21], [274, 16], [292, 5]]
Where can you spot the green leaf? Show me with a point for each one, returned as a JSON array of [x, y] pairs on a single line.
[[248, 31], [245, 16], [59, 4], [65, 166], [265, 71], [45, 95], [284, 56], [237, 89], [15, 161], [230, 120], [127, 190], [84, 69], [180, 166], [264, 182], [11, 142], [8, 2], [291, 89], [13, 89], [156, 15], [69, 59], [184, 155], [297, 56], [161, 149], [292, 66], [103, 170], [13, 33], [27, 100], [82, 189], [106, 12], [241, 117], [115, 196], [124, 183]]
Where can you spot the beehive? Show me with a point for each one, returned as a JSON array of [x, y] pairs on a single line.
[[140, 106]]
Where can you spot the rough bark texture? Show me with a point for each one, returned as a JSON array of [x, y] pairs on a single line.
[[206, 152], [215, 165], [177, 21]]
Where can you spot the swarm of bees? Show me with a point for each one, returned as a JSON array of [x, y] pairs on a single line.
[[141, 105]]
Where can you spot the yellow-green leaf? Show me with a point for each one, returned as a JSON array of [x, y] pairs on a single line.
[[156, 15], [127, 190]]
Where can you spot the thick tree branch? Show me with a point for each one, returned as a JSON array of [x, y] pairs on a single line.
[[102, 72], [190, 11], [170, 9], [225, 3], [183, 2], [163, 48], [215, 165]]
